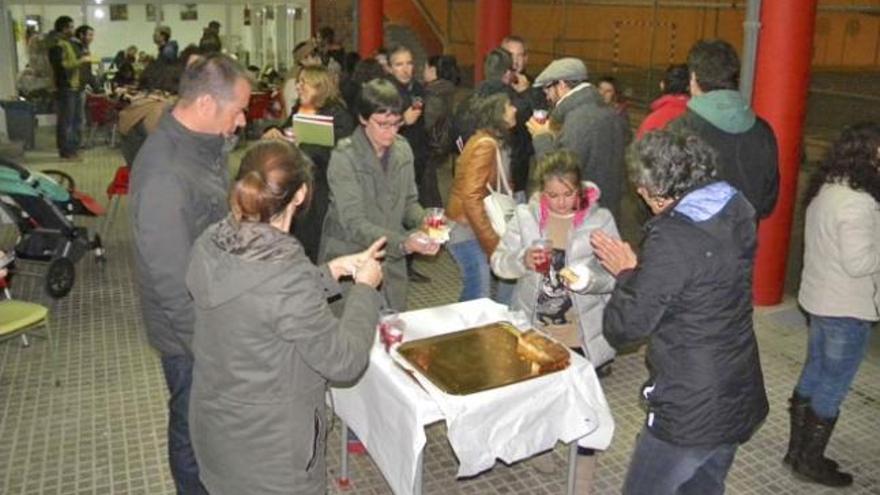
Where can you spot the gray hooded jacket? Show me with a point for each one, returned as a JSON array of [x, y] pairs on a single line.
[[265, 346]]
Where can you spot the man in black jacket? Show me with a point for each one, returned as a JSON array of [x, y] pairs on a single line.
[[179, 186], [689, 294], [717, 112]]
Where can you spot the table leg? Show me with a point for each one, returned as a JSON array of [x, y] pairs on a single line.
[[420, 464], [572, 466], [344, 482]]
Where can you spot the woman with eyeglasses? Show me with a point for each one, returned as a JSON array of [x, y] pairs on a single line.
[[318, 95], [373, 191], [472, 240]]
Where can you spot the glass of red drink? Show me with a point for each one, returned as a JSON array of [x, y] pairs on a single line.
[[546, 248], [435, 218], [390, 328]]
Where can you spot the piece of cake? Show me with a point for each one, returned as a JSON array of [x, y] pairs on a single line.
[[539, 349]]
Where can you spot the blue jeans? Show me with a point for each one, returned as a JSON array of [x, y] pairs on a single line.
[[659, 468], [69, 121], [474, 268], [504, 290], [834, 351], [184, 469]]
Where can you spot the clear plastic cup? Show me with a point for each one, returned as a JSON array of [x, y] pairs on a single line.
[[390, 328], [540, 116], [543, 266]]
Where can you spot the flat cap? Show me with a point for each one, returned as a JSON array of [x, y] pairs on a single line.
[[563, 69]]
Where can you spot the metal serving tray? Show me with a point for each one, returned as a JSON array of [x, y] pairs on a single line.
[[474, 359]]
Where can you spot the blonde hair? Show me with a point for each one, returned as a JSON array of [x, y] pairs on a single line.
[[320, 78]]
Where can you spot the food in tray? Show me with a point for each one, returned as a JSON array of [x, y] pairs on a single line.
[[482, 358], [546, 354]]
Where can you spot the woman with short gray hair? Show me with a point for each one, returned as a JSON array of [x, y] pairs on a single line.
[[688, 294]]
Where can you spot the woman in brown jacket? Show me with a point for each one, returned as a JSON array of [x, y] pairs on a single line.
[[472, 240]]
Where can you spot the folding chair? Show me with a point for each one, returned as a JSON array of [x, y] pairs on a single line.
[[101, 112], [18, 318], [115, 191]]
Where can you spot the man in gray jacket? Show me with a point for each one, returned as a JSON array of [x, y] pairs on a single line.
[[178, 188], [581, 122]]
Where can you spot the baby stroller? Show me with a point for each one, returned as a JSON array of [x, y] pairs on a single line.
[[43, 210]]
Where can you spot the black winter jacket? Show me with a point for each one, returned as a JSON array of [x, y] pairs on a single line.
[[691, 297], [748, 161]]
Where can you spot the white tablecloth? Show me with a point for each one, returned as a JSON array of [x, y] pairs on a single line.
[[388, 410]]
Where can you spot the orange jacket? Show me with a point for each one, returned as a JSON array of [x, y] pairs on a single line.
[[475, 168]]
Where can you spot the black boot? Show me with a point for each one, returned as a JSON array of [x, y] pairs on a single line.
[[810, 464], [797, 410]]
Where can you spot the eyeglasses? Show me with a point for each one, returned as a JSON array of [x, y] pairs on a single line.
[[387, 126]]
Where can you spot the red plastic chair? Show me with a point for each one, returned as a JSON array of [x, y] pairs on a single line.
[[101, 112], [117, 188], [258, 106]]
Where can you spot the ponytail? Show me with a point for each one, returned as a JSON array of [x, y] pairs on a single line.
[[270, 175]]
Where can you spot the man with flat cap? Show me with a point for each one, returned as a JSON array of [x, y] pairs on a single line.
[[581, 122]]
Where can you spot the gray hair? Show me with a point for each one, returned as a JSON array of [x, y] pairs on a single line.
[[670, 164], [214, 75]]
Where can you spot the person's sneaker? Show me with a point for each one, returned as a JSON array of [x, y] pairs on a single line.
[[417, 277], [356, 447]]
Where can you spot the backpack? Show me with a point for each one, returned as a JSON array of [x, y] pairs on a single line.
[[462, 123], [440, 135]]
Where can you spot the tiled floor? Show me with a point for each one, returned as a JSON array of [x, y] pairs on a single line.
[[103, 430]]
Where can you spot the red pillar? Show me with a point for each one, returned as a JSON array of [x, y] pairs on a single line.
[[782, 78], [492, 25], [370, 31]]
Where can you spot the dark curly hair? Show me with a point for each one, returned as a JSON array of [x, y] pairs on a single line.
[[853, 159], [670, 164], [489, 115]]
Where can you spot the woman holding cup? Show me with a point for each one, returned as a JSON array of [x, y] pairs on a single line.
[[560, 283], [546, 248], [265, 342]]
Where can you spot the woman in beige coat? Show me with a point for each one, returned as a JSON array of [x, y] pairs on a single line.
[[839, 291]]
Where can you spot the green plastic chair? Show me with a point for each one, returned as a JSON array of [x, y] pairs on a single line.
[[17, 318]]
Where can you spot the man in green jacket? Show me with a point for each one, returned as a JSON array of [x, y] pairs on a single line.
[[66, 72]]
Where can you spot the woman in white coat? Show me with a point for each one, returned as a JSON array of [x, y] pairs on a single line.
[[563, 290], [565, 211], [839, 291]]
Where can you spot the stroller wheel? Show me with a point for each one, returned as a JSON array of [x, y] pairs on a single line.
[[60, 277]]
